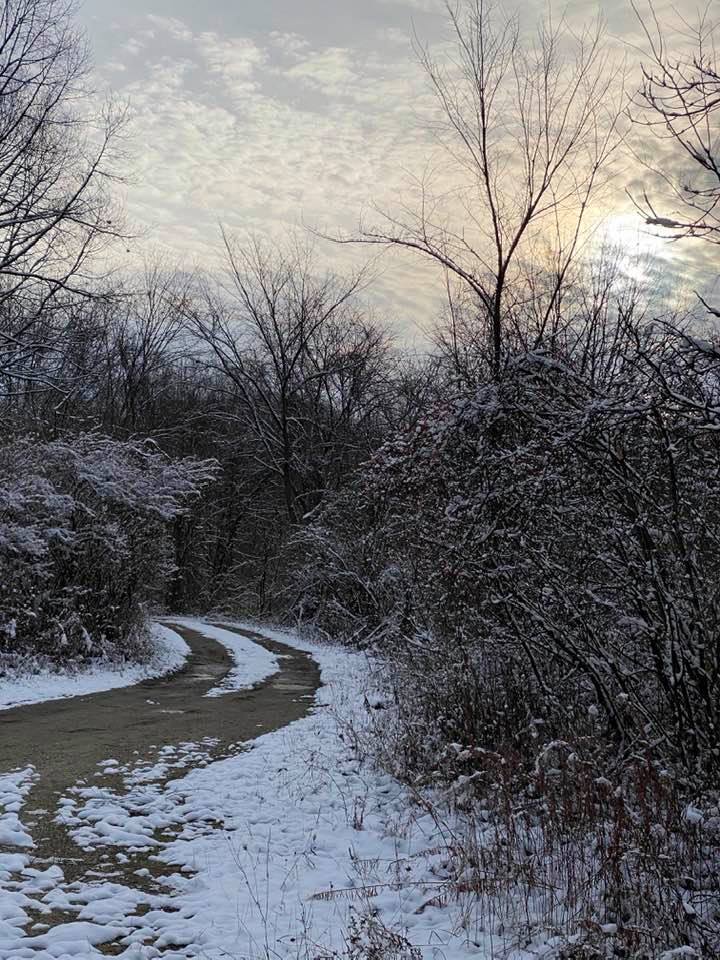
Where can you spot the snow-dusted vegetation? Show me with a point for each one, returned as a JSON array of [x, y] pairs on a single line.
[[539, 562], [83, 542], [517, 521]]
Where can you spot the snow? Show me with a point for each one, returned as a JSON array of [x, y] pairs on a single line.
[[14, 787], [693, 815], [284, 849], [169, 654], [253, 663], [272, 851]]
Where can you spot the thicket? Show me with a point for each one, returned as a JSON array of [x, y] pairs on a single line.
[[536, 564], [551, 536], [84, 542]]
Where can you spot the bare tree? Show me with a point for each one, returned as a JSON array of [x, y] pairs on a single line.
[[56, 165], [300, 361], [142, 344], [528, 129], [678, 101]]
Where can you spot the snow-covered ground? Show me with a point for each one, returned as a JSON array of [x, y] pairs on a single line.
[[14, 787], [290, 849], [169, 654], [253, 663]]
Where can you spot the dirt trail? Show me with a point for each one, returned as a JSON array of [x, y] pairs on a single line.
[[66, 739]]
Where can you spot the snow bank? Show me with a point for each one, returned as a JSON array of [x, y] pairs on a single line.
[[169, 654], [253, 663]]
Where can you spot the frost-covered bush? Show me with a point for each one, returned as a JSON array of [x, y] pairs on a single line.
[[84, 541], [545, 549]]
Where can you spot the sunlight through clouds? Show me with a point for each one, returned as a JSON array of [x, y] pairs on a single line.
[[264, 120]]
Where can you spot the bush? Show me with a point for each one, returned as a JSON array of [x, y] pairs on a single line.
[[83, 541], [549, 546]]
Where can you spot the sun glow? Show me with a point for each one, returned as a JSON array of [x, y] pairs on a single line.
[[641, 251]]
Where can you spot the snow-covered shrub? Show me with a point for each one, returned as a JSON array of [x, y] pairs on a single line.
[[83, 540], [539, 565], [546, 548], [367, 938]]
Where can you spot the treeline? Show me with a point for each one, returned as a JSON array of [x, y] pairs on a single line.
[[198, 424], [161, 434]]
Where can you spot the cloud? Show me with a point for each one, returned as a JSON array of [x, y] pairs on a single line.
[[331, 70], [291, 44], [263, 130], [132, 46], [426, 6], [170, 26], [235, 60]]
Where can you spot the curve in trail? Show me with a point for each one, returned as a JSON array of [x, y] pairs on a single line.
[[65, 740]]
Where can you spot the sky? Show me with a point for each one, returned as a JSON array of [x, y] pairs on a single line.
[[269, 115]]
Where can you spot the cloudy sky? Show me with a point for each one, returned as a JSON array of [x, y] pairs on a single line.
[[266, 114]]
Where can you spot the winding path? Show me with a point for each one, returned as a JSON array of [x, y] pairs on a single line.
[[66, 739]]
